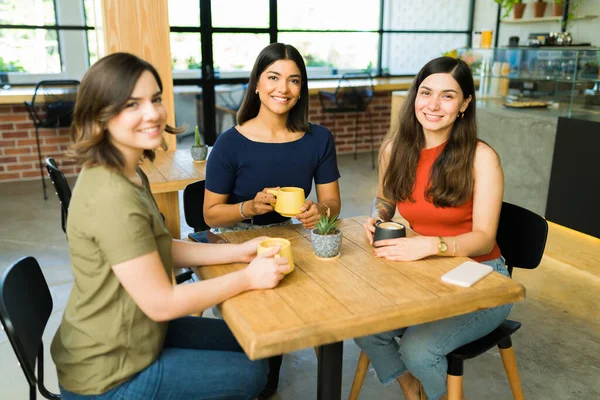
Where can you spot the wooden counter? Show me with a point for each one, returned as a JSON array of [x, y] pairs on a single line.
[[17, 95]]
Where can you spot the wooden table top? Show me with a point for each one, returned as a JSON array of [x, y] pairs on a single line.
[[323, 302], [173, 170]]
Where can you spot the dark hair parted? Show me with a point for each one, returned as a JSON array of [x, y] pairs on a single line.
[[451, 180], [297, 120], [104, 91]]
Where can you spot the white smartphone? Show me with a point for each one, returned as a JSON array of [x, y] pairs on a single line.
[[467, 274]]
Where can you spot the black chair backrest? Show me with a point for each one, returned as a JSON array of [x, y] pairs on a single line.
[[56, 98], [521, 236], [61, 186], [25, 307], [193, 202], [351, 95]]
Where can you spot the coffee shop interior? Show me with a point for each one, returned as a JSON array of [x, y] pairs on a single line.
[[537, 77]]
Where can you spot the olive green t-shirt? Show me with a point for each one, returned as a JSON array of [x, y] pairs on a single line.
[[104, 338]]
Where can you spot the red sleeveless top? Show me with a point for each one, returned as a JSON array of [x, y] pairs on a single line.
[[429, 220]]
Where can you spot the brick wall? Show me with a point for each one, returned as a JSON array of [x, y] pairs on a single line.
[[344, 128], [18, 148]]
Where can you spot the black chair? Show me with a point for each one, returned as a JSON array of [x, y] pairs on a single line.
[[62, 189], [521, 237], [25, 307], [52, 107], [193, 202], [352, 95]]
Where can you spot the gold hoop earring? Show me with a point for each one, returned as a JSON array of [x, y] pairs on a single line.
[[298, 97], [461, 114]]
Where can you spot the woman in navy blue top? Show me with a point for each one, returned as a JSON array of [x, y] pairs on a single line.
[[272, 146]]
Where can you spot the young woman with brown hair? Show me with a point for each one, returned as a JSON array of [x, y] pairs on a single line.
[[449, 186], [124, 333]]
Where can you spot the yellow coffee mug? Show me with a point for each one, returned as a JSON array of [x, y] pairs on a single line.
[[289, 200], [285, 249]]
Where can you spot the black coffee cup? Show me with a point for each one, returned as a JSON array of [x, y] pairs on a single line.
[[388, 230]]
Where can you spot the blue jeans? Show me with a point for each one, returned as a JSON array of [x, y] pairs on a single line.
[[422, 348], [200, 360]]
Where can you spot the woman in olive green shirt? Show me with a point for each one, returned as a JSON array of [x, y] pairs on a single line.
[[124, 333]]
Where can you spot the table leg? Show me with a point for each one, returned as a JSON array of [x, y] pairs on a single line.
[[168, 204], [329, 383]]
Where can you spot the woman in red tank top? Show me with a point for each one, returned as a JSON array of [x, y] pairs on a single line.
[[449, 186]]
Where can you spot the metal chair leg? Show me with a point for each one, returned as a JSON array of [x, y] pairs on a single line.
[[359, 375], [37, 138]]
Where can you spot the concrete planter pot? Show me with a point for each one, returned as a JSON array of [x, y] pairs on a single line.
[[326, 246], [199, 153]]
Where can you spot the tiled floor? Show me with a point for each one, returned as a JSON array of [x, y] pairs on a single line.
[[558, 348]]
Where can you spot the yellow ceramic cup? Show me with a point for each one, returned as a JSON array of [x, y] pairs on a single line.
[[285, 249], [289, 200]]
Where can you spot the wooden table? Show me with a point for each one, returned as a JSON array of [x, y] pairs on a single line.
[[171, 172], [322, 303]]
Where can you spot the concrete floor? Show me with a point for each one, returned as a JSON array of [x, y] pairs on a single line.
[[557, 349]]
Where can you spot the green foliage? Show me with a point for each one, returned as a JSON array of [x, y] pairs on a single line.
[[314, 61], [507, 5], [192, 63], [10, 66], [198, 137], [327, 225]]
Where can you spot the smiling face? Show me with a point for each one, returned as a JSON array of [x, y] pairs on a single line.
[[438, 102], [141, 123], [279, 87]]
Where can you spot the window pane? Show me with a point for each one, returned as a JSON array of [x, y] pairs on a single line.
[[184, 12], [328, 15], [35, 50], [324, 52], [186, 51], [27, 12], [406, 53], [90, 12], [425, 14], [188, 112], [247, 14], [234, 53]]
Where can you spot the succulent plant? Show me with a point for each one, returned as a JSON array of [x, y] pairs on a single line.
[[198, 137], [327, 225]]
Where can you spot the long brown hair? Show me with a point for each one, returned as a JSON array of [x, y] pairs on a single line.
[[297, 120], [451, 179], [104, 91]]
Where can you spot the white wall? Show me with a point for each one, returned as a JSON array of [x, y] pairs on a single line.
[[582, 31]]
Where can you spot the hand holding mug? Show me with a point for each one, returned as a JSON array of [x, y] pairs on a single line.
[[263, 202], [310, 214], [387, 230], [266, 270]]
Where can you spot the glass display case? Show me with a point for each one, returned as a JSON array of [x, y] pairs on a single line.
[[565, 79]]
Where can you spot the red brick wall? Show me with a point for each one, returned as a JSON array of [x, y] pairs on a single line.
[[18, 148], [344, 129]]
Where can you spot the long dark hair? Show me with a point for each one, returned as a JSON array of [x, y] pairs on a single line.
[[297, 120], [104, 91], [451, 180]]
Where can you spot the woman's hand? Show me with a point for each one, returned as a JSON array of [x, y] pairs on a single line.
[[310, 214], [265, 271], [262, 202], [407, 249], [247, 250], [370, 229]]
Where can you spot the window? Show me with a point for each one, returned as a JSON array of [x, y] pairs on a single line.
[[42, 39]]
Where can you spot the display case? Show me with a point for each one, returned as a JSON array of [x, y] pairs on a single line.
[[564, 79]]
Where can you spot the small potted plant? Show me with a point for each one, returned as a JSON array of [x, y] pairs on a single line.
[[539, 7], [517, 6], [327, 237], [199, 150]]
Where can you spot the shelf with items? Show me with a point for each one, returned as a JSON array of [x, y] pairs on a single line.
[[544, 19], [568, 78]]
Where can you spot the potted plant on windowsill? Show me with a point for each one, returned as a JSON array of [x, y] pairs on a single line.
[[326, 238], [539, 7], [199, 150], [517, 6]]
